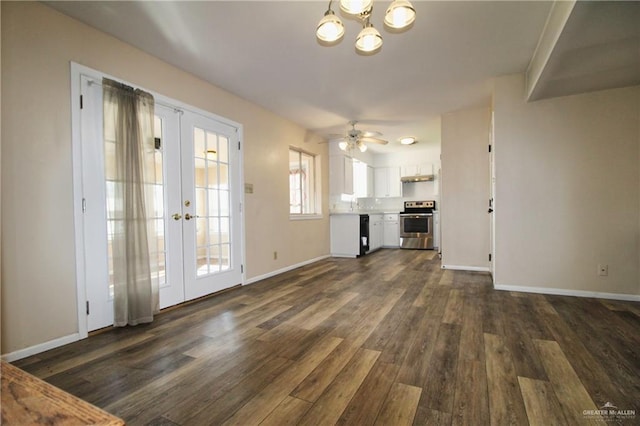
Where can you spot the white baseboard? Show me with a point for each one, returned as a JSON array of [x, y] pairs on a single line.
[[42, 347], [52, 344], [283, 270], [467, 268], [565, 292]]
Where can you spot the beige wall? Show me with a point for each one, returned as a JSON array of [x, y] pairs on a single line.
[[38, 274], [465, 189], [567, 180], [1, 317]]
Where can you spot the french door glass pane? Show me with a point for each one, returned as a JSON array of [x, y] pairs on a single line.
[[211, 157], [224, 229]]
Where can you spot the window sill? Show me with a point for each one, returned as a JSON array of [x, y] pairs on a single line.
[[305, 216]]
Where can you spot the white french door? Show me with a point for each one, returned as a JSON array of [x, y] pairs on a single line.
[[167, 134], [210, 206], [196, 214]]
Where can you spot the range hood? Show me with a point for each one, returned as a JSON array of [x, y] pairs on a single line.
[[417, 178]]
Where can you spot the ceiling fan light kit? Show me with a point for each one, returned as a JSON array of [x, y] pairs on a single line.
[[399, 15], [346, 146], [356, 138]]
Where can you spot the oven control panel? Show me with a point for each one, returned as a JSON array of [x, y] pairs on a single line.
[[419, 204]]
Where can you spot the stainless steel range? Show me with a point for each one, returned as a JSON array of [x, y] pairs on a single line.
[[416, 225]]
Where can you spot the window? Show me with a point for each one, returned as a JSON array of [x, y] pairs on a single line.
[[303, 193]]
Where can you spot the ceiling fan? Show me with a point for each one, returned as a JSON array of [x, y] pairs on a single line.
[[356, 138]]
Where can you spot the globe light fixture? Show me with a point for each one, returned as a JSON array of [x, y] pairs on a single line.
[[408, 140], [355, 7], [330, 30], [369, 40], [399, 15]]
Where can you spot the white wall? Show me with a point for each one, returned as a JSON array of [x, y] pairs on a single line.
[[567, 190], [465, 189], [38, 274]]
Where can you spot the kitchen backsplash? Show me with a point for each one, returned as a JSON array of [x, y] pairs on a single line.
[[391, 204]]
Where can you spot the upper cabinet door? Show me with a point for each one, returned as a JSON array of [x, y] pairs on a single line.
[[417, 169], [370, 182], [387, 182], [340, 175]]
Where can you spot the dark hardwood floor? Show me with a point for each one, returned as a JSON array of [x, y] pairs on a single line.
[[387, 339]]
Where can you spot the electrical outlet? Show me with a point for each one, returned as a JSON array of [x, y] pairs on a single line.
[[275, 255], [603, 270]]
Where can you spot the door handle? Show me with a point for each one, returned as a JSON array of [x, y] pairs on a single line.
[[176, 216], [490, 211], [189, 216]]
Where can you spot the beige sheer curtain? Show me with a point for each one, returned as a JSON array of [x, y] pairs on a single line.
[[129, 121]]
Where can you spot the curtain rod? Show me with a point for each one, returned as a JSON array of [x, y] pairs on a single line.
[[175, 109]]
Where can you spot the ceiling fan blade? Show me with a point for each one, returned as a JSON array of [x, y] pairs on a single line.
[[374, 140], [370, 133]]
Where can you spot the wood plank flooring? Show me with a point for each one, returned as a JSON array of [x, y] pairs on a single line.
[[387, 339]]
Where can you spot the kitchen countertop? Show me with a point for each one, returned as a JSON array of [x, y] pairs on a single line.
[[359, 212]]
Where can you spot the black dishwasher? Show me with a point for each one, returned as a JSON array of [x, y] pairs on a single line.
[[364, 234]]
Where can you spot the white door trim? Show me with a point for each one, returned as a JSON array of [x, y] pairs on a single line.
[[76, 149]]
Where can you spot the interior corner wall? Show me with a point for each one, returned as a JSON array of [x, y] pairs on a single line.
[[38, 261], [567, 190], [0, 181], [465, 189]]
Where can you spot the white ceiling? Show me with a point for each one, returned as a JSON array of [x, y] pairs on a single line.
[[266, 52]]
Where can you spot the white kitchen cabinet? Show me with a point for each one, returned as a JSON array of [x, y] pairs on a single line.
[[361, 185], [341, 175], [376, 231], [387, 182], [370, 182], [348, 175], [391, 230], [417, 170], [345, 235]]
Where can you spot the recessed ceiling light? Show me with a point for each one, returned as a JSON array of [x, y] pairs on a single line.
[[408, 141]]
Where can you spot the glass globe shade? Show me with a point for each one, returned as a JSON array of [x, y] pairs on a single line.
[[355, 7], [400, 14], [369, 40], [330, 28]]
